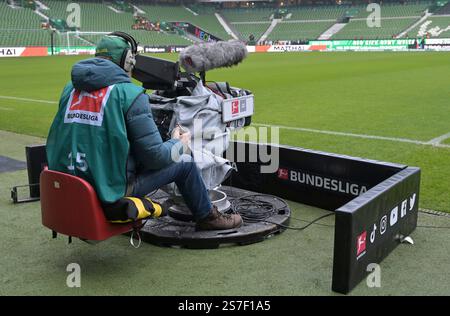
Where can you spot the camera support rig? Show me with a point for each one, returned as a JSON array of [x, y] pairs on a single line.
[[229, 109]]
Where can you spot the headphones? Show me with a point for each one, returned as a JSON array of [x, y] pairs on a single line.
[[128, 59]]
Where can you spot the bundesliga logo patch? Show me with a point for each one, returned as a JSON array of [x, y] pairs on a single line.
[[283, 174], [361, 245], [87, 107], [235, 107]]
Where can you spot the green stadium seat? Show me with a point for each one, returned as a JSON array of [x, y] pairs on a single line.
[[294, 31], [22, 26], [358, 29], [435, 26]]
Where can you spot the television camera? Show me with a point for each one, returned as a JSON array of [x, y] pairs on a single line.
[[186, 99]]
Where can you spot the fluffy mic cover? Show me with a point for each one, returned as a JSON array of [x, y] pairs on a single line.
[[207, 56]]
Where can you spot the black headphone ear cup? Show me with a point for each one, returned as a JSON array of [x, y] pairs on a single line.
[[123, 58], [128, 61]]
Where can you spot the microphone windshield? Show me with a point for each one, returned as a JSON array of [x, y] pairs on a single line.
[[207, 56]]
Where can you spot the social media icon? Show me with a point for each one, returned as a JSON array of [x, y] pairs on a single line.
[[373, 233], [412, 201], [383, 224], [394, 217], [403, 209]]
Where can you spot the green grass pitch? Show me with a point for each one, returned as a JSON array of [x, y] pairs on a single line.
[[395, 95], [392, 95]]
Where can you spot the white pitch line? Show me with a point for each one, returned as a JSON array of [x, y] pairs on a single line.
[[26, 99], [5, 109], [438, 140], [433, 212], [364, 136], [434, 142]]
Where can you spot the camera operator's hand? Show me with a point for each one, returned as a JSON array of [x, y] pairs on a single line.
[[183, 136], [176, 133]]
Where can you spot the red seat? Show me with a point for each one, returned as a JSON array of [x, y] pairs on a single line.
[[70, 206]]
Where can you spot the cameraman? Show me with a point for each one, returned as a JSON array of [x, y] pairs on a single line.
[[104, 132]]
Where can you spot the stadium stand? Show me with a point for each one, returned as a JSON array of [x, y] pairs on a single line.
[[358, 29], [248, 21], [170, 13], [442, 7], [256, 29], [207, 21], [111, 21], [436, 26], [394, 19], [14, 38], [317, 12], [90, 16], [295, 31], [398, 10], [18, 18], [248, 15], [210, 24], [22, 26], [147, 38]]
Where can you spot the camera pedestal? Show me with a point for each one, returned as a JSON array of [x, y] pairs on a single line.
[[178, 228]]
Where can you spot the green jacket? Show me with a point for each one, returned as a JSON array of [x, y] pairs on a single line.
[[106, 143], [88, 137]]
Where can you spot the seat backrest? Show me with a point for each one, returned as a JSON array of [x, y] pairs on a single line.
[[71, 207]]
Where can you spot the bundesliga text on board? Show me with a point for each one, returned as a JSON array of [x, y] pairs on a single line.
[[318, 181], [390, 219]]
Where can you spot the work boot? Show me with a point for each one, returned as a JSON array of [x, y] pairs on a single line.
[[218, 221]]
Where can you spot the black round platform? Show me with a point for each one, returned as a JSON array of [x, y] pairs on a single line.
[[168, 231]]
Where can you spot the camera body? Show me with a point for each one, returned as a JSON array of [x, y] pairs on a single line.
[[210, 111], [170, 83]]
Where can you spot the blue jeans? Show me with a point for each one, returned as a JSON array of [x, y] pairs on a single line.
[[186, 176]]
